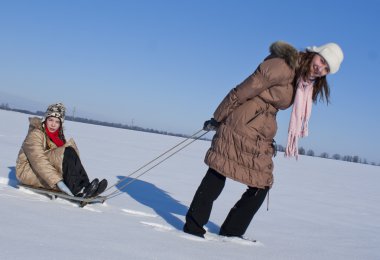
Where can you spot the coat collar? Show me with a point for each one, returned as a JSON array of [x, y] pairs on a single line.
[[285, 51], [35, 123]]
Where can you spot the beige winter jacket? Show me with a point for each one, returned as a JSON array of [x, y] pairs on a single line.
[[39, 161], [242, 148]]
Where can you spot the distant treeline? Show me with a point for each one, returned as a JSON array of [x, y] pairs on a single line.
[[97, 122], [347, 158], [280, 148]]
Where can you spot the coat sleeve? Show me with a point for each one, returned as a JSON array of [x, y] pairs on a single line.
[[33, 147], [268, 74]]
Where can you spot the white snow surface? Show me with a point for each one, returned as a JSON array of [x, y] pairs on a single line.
[[318, 208]]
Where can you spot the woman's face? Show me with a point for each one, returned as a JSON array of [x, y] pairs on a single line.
[[53, 124], [318, 67]]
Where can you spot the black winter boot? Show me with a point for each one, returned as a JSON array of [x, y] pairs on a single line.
[[101, 187], [91, 189]]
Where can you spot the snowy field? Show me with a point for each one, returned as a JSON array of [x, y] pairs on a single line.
[[318, 208]]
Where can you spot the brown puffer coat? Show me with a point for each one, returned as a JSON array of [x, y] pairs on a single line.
[[242, 147], [39, 161]]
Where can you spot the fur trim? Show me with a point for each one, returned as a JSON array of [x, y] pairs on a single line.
[[285, 51], [35, 123]]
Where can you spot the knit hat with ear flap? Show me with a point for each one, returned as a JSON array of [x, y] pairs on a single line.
[[332, 53], [56, 110]]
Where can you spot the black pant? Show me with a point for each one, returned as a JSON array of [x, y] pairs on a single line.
[[74, 174], [239, 216]]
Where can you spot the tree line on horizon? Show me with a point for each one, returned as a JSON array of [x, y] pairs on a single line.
[[97, 122], [346, 158], [280, 148]]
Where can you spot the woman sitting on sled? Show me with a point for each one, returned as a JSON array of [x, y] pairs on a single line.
[[46, 160]]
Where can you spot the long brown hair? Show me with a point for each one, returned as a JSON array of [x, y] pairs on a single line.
[[321, 88]]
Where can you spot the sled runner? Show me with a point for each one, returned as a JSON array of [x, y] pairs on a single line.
[[54, 194]]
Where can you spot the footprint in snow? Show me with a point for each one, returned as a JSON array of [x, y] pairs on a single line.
[[156, 226], [138, 213]]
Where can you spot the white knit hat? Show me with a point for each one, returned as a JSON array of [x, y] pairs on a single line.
[[55, 110], [332, 53]]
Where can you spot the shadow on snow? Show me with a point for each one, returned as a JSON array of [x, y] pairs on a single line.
[[160, 201], [12, 180]]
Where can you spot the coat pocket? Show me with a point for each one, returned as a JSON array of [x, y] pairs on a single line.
[[258, 113]]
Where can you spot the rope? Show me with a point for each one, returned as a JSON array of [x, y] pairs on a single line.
[[192, 136], [195, 137]]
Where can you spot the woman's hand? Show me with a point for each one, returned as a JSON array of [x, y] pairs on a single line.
[[211, 125], [62, 186]]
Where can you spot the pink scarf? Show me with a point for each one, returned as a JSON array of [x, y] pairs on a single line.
[[299, 119]]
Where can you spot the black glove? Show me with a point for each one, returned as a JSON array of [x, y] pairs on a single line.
[[211, 125]]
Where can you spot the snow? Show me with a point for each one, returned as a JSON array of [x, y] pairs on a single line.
[[318, 208]]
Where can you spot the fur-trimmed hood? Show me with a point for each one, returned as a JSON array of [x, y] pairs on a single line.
[[285, 51], [35, 123]]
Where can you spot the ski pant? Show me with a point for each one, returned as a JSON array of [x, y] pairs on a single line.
[[74, 174], [239, 216]]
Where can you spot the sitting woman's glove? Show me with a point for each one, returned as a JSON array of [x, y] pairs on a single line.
[[62, 186], [211, 125]]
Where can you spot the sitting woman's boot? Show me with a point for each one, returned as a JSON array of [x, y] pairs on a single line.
[[91, 189], [101, 187]]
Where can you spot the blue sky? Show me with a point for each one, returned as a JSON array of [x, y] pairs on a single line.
[[167, 64]]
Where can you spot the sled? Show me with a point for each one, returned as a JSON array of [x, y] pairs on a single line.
[[57, 194]]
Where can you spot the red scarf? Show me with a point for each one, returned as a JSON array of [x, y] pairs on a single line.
[[55, 137]]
